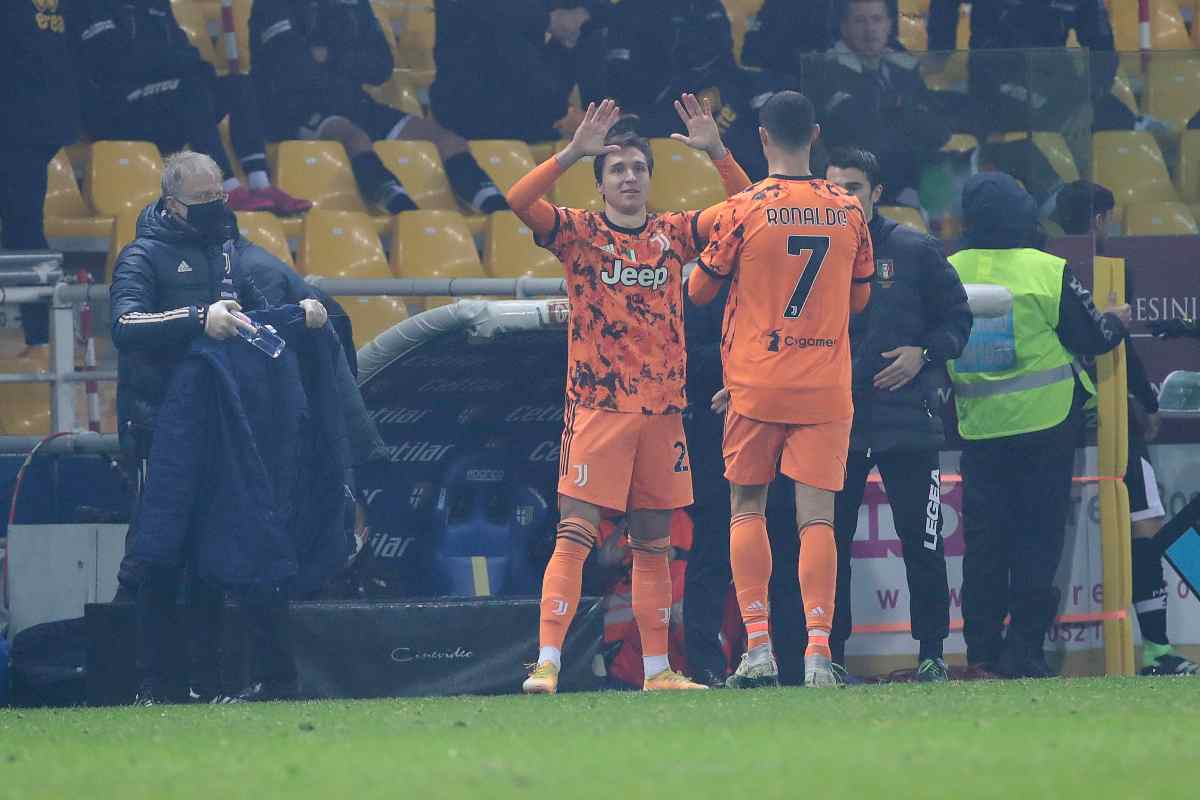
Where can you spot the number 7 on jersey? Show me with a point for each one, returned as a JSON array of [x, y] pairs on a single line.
[[815, 248]]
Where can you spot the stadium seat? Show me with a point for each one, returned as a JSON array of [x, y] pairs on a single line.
[[25, 407], [504, 160], [123, 175], [241, 26], [1173, 86], [124, 229], [420, 169], [1131, 165], [1053, 146], [341, 244], [1167, 28], [911, 31], [417, 38], [905, 215], [434, 244], [398, 93], [371, 316], [1123, 91], [66, 215], [320, 172], [510, 251], [1188, 172], [960, 143], [191, 19], [543, 150], [684, 178], [576, 188], [265, 230], [381, 16], [1159, 219]]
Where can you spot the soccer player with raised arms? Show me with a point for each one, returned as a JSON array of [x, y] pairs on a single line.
[[797, 253], [623, 447]]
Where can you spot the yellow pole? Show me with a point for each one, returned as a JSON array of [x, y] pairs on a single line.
[[1113, 446]]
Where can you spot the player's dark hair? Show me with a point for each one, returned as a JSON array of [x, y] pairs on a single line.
[[845, 6], [855, 158], [789, 119], [624, 137], [1078, 202]]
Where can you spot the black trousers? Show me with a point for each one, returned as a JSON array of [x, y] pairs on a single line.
[[22, 196], [183, 111], [789, 632], [1016, 497], [707, 585], [912, 482]]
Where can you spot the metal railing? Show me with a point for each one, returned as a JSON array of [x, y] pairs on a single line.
[[64, 298]]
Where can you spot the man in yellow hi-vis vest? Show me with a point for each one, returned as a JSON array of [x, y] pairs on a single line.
[[1019, 396]]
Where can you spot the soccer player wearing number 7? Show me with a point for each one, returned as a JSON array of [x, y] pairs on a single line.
[[623, 448], [798, 255]]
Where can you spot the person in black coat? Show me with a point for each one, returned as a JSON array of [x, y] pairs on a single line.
[[311, 59], [40, 115], [917, 320], [506, 71], [142, 80], [178, 280]]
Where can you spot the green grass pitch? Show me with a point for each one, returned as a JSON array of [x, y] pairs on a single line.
[[1084, 738]]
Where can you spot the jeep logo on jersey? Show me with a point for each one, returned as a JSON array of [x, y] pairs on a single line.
[[648, 277]]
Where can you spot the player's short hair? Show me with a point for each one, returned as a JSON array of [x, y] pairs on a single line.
[[624, 137], [856, 158], [845, 5], [1078, 202], [182, 165], [789, 119]]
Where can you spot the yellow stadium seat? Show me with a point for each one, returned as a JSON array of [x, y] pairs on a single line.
[[398, 93], [320, 172], [1173, 86], [66, 214], [241, 26], [911, 32], [341, 244], [1167, 29], [419, 167], [1123, 91], [918, 7], [960, 143], [1054, 148], [265, 230], [381, 15], [371, 316], [1131, 165], [1188, 171], [123, 175], [543, 150], [25, 407], [124, 229], [684, 178], [434, 244], [905, 215], [504, 160], [1159, 219], [510, 251], [191, 19], [417, 36]]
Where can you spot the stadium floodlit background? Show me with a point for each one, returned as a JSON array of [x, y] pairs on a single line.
[[462, 509]]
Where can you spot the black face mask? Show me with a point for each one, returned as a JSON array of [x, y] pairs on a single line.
[[208, 219]]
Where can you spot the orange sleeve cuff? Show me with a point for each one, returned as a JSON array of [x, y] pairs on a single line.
[[733, 177]]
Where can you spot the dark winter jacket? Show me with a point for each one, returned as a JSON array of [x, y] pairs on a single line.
[[705, 429], [37, 93], [121, 45], [247, 477], [162, 285], [281, 286], [917, 299], [291, 84]]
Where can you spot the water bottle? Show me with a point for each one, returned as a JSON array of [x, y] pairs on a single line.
[[265, 338]]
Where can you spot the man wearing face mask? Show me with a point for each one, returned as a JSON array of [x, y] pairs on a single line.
[[179, 279]]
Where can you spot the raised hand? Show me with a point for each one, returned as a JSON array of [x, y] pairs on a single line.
[[702, 131], [589, 136]]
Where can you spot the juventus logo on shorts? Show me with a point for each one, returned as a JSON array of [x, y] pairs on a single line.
[[558, 607], [581, 475]]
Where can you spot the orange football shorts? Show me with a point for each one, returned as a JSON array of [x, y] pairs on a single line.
[[814, 455]]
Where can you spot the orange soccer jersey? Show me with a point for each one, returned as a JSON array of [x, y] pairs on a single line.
[[793, 248], [625, 339]]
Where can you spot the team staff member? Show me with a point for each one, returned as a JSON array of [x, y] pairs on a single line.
[[177, 280], [916, 320], [1020, 398]]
